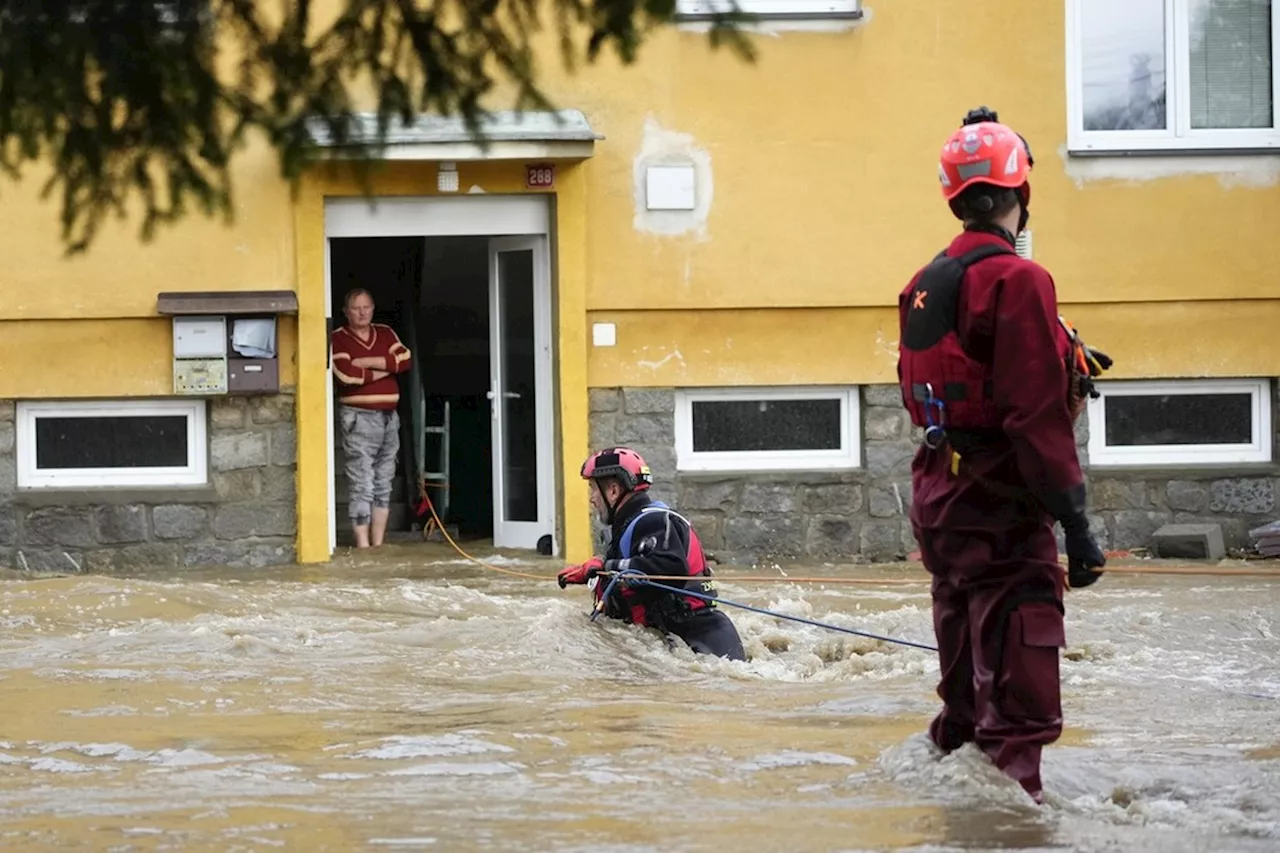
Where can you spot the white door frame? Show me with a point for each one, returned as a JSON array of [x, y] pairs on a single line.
[[329, 405], [454, 216], [523, 534]]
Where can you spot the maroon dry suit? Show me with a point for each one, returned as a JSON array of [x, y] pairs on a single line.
[[983, 357]]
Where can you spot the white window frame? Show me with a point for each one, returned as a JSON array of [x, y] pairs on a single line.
[[1259, 450], [848, 457], [1179, 136], [194, 473], [771, 8]]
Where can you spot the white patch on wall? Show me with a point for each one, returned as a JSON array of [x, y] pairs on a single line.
[[1254, 171], [671, 183], [604, 334], [655, 364]]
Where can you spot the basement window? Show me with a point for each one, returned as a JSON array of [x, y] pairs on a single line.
[[767, 429], [78, 444], [774, 9], [1180, 422]]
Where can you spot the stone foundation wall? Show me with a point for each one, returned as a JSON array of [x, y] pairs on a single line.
[[863, 514], [246, 516]]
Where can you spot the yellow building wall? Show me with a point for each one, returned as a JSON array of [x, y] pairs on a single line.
[[824, 201]]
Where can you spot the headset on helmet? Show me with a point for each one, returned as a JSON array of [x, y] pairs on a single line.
[[620, 463]]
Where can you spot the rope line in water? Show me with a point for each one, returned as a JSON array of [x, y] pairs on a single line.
[[641, 579], [1221, 571], [788, 579], [440, 524]]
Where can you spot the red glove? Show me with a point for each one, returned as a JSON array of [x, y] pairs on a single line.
[[580, 574]]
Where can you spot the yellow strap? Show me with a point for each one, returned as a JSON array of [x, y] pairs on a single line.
[[955, 464]]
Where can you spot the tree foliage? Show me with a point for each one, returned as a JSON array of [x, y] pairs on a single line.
[[149, 101]]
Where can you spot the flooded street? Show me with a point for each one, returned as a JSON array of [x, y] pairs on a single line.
[[411, 703]]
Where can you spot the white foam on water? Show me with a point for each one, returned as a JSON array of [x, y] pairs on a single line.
[[58, 765], [402, 842], [430, 746], [344, 777], [796, 758], [966, 774], [492, 768]]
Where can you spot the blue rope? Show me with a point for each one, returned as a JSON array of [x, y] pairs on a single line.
[[638, 578]]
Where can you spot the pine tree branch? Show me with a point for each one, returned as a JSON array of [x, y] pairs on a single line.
[[143, 104]]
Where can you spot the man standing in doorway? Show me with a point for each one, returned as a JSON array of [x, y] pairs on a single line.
[[366, 358]]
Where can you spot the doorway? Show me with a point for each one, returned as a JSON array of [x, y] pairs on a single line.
[[476, 408]]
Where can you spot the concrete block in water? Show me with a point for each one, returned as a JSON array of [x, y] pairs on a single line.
[[1189, 541]]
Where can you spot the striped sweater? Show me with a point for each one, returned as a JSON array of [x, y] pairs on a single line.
[[357, 385]]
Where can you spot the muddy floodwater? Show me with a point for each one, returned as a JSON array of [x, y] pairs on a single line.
[[411, 701]]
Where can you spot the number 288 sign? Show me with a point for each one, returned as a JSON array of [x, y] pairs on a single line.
[[540, 176]]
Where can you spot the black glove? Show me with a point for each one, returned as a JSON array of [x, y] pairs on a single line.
[[1084, 557], [1083, 553], [1103, 360]]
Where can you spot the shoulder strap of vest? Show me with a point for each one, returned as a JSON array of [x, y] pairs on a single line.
[[624, 544], [981, 253]]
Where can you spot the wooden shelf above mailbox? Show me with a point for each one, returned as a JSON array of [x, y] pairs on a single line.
[[228, 302]]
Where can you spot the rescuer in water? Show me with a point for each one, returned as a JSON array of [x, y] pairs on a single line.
[[651, 538], [995, 378]]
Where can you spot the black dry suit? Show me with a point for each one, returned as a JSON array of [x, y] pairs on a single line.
[[659, 541]]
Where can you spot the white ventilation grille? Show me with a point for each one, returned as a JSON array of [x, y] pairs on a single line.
[[1023, 245], [447, 178]]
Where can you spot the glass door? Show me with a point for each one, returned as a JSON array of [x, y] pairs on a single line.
[[520, 392]]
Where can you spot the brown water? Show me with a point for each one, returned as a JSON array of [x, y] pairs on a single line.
[[414, 702]]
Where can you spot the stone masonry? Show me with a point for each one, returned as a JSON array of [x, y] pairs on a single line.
[[863, 514], [245, 516]]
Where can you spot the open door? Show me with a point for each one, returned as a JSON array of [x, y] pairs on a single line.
[[520, 392]]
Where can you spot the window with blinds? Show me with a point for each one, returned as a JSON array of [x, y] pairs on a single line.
[[1230, 64], [1177, 74]]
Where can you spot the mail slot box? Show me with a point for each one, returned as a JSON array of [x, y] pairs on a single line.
[[253, 375]]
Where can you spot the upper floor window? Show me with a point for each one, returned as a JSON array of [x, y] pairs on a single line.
[[772, 8], [1172, 74]]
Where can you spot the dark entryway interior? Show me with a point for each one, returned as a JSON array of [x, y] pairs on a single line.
[[434, 292]]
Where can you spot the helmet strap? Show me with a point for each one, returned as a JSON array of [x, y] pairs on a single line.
[[611, 509]]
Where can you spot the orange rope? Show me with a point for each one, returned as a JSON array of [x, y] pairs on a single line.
[[476, 560], [1130, 570], [1215, 571]]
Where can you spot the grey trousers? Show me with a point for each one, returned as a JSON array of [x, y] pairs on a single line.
[[370, 441]]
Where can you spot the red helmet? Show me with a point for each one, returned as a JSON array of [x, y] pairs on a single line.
[[983, 153], [621, 463]]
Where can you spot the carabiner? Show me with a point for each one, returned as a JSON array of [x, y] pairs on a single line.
[[935, 433]]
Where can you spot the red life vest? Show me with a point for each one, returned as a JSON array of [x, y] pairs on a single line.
[[932, 364], [698, 568]]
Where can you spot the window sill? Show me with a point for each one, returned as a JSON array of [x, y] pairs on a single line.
[[749, 18], [813, 476], [1144, 153], [1183, 471], [115, 496]]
